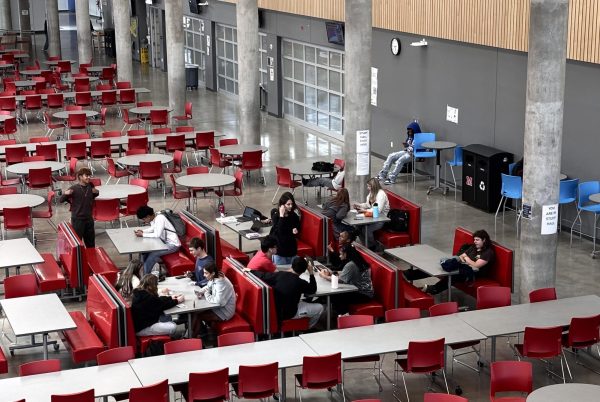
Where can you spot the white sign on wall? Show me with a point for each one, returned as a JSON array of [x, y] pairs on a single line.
[[549, 219], [373, 86], [452, 114], [362, 164], [362, 141]]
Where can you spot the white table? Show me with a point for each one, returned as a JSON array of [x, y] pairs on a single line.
[[205, 180], [513, 319], [24, 167], [16, 253], [438, 146], [566, 392], [118, 191], [425, 258], [64, 114], [126, 242], [238, 226], [71, 80], [33, 315], [111, 379], [20, 201], [145, 110], [288, 352], [25, 83], [55, 62], [4, 117], [304, 168], [96, 69], [134, 160], [239, 149], [351, 220], [32, 72]]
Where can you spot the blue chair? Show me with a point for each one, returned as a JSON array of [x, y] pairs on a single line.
[[419, 151], [567, 193], [457, 161], [584, 204], [512, 187], [511, 167]]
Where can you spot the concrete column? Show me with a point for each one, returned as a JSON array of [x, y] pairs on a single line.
[[123, 40], [53, 28], [544, 106], [357, 84], [5, 15], [84, 35], [175, 62], [248, 75]]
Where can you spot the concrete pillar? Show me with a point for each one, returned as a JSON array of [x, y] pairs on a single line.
[[544, 107], [123, 40], [357, 84], [248, 75], [84, 35], [53, 28], [5, 15], [175, 61]]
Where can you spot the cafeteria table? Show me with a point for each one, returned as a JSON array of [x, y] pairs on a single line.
[[126, 242], [566, 392], [134, 160], [118, 191], [16, 253], [304, 170], [205, 180], [351, 220]]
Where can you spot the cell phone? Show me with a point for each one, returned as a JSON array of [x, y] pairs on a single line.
[[180, 276]]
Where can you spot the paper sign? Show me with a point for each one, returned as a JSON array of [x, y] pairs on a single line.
[[373, 86], [549, 219], [362, 141], [272, 74], [526, 211], [452, 114], [362, 164]]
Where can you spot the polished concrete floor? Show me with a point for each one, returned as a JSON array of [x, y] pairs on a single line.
[[577, 273]]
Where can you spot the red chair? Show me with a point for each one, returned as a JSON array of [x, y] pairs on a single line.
[[402, 314], [71, 108], [431, 397], [284, 178], [235, 338], [177, 160], [424, 357], [236, 192], [113, 134], [178, 194], [183, 345], [204, 141], [187, 113], [124, 85], [18, 219], [540, 295], [492, 296], [47, 213], [358, 320], [53, 58], [130, 121], [151, 171], [114, 172], [134, 201], [256, 382], [83, 98], [72, 173], [106, 210], [20, 286], [9, 182], [144, 104], [85, 396], [217, 160], [65, 66], [510, 376], [159, 117], [39, 367], [136, 133], [77, 121], [115, 355], [34, 158], [81, 136], [161, 130], [140, 182], [38, 140], [33, 103], [320, 372], [543, 343], [137, 143], [99, 150], [48, 151], [158, 392], [209, 386], [584, 332], [104, 87], [108, 74], [39, 178], [108, 99], [77, 150], [228, 141], [9, 128], [101, 121], [184, 129], [15, 155]]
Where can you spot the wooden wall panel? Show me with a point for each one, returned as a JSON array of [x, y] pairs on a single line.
[[497, 23]]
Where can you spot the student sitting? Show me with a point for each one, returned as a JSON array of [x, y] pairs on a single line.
[[129, 279], [336, 208], [161, 228], [334, 183], [346, 237], [263, 259], [377, 198], [198, 250], [399, 158]]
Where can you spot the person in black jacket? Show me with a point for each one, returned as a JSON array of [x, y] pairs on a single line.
[[147, 308], [288, 288], [81, 196], [286, 224]]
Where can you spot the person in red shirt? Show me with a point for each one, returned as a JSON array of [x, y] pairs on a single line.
[[262, 260]]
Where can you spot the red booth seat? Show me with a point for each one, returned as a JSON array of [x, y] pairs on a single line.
[[83, 343], [49, 275], [3, 363], [391, 239], [100, 263], [249, 312], [177, 263], [311, 238]]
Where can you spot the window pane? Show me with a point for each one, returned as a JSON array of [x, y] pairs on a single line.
[[220, 32], [298, 71], [287, 68], [189, 39], [322, 57], [311, 116], [299, 111], [228, 33], [335, 59], [334, 81], [323, 100], [309, 53], [335, 105], [288, 108], [299, 51], [324, 121], [299, 93], [221, 82], [287, 48], [235, 52], [234, 35], [311, 97], [230, 86], [229, 50], [235, 69], [229, 69], [221, 67], [221, 48], [336, 125], [322, 77], [310, 72]]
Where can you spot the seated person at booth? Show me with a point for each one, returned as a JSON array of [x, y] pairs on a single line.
[[218, 290], [161, 228], [198, 250], [346, 237], [377, 198], [147, 307], [129, 279], [334, 183], [288, 288], [394, 161], [336, 208], [263, 259]]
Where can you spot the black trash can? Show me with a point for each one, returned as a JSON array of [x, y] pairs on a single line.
[[481, 180], [109, 42], [191, 76]]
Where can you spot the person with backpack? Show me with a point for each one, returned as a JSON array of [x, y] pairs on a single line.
[[160, 227], [399, 158]]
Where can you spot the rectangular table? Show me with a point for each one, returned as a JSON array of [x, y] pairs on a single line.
[[237, 226], [16, 253], [351, 220], [288, 352], [33, 315], [513, 319], [106, 380], [126, 242], [425, 258]]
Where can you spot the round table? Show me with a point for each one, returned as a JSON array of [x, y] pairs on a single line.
[[20, 201], [204, 180], [438, 146], [32, 72], [64, 114], [7, 65], [21, 56], [118, 191], [25, 83], [24, 167], [55, 62], [71, 80], [304, 168], [4, 117], [239, 149], [595, 197], [134, 160], [566, 392], [144, 110], [96, 69]]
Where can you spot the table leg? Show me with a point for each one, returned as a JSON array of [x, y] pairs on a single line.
[[493, 352], [436, 182], [328, 312], [282, 392], [449, 288], [189, 328], [366, 237], [239, 241], [45, 342]]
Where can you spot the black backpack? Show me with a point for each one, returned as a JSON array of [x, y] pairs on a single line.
[[323, 166], [175, 220], [398, 221]]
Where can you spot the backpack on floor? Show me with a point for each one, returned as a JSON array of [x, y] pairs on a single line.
[[398, 221], [175, 220]]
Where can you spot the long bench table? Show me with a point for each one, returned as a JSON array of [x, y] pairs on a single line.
[[71, 94]]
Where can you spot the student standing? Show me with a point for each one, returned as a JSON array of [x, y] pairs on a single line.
[[81, 196], [286, 224]]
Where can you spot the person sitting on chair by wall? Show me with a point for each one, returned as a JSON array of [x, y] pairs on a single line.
[[399, 158]]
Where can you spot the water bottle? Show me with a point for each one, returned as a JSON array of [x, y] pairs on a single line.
[[334, 280], [221, 209], [375, 210]]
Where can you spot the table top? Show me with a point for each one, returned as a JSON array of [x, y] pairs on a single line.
[[288, 352], [438, 144], [24, 167], [205, 180], [237, 226], [304, 168], [55, 62], [22, 252], [134, 160], [350, 219], [9, 65], [37, 314], [106, 380], [20, 200], [126, 242], [595, 197], [25, 83], [31, 72], [112, 191], [147, 109], [390, 337], [97, 69], [64, 114], [241, 148], [4, 117], [323, 285], [513, 319], [186, 287], [566, 392], [72, 79], [421, 256]]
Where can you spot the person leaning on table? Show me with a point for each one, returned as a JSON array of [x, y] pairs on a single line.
[[161, 228], [263, 259], [81, 196], [376, 196]]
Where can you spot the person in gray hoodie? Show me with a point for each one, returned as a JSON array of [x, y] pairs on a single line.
[[399, 158]]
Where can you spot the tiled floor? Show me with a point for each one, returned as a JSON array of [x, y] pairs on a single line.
[[577, 273]]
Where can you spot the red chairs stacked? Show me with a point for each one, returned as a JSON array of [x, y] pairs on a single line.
[[320, 372]]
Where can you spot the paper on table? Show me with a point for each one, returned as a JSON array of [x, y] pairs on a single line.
[[227, 219]]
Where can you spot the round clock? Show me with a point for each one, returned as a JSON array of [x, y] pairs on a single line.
[[395, 46]]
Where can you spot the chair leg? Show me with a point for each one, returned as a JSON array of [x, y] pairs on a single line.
[[577, 218], [405, 388], [275, 195], [497, 211]]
